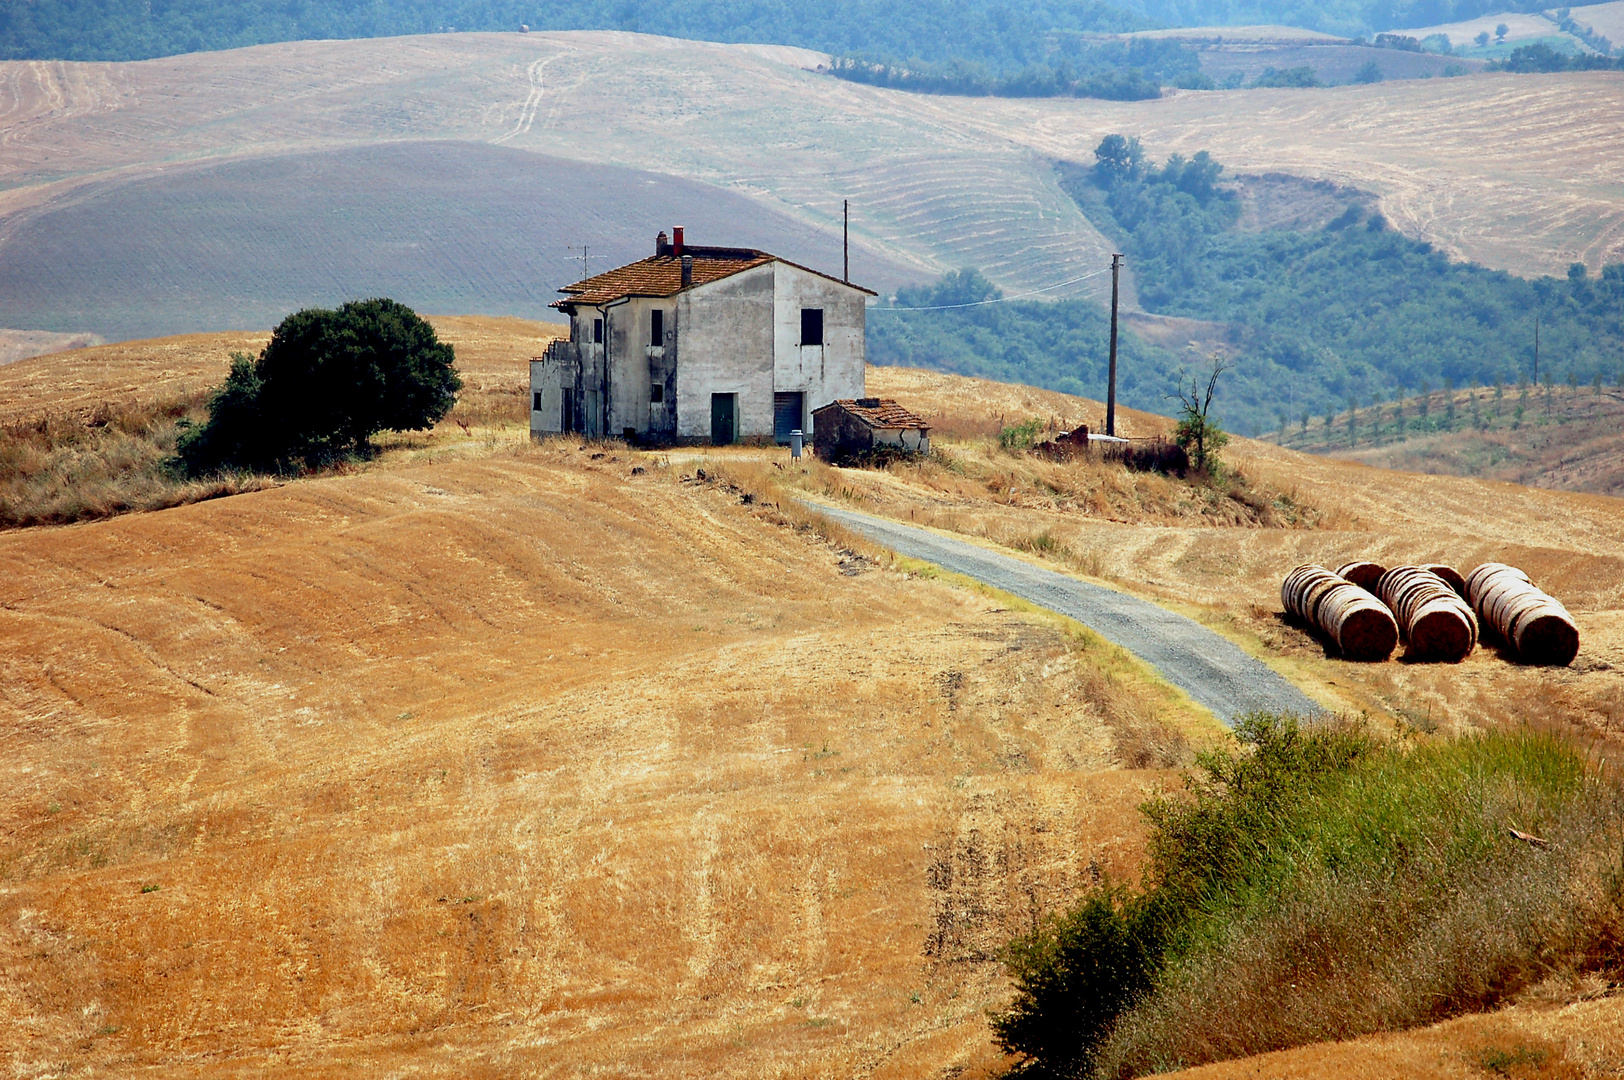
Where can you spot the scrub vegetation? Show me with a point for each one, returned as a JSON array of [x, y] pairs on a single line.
[[1317, 883], [1314, 318]]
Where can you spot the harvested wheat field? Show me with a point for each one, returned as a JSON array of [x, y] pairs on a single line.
[[1516, 172], [1222, 560], [494, 758]]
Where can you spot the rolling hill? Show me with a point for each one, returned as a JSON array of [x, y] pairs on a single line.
[[438, 226], [1566, 437], [491, 757], [936, 183]]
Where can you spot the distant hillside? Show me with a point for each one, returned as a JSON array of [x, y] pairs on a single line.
[[1003, 37], [999, 35], [1566, 437], [438, 226]]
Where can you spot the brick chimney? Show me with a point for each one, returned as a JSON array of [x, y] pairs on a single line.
[[676, 241], [662, 244], [687, 271]]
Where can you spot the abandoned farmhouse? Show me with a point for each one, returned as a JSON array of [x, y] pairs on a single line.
[[700, 344]]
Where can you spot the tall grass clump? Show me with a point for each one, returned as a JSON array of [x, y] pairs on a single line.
[[1315, 883], [60, 468]]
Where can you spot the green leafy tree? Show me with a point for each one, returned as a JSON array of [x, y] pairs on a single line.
[[1371, 72], [1501, 31], [328, 381], [1482, 40]]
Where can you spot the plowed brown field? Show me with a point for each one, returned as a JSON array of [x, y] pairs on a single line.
[[546, 760]]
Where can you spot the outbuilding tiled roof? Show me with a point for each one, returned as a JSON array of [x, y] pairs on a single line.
[[661, 275], [879, 413]]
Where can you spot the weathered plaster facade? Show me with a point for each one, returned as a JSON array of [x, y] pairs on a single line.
[[746, 347]]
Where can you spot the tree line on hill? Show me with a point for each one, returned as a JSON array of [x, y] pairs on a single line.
[[1000, 41], [1540, 58], [1316, 317]]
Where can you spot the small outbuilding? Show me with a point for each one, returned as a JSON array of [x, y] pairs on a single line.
[[849, 426]]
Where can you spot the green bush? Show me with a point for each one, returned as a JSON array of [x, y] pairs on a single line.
[[1020, 436], [327, 382], [1318, 884]]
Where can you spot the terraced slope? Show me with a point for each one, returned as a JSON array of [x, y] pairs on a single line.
[[1513, 171]]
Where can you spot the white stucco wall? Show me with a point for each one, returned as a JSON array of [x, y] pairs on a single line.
[[824, 372], [725, 346]]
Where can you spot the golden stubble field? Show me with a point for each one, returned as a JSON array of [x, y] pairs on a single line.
[[500, 759], [1514, 171]]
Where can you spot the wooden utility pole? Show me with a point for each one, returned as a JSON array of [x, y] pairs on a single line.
[[1110, 390], [845, 241]]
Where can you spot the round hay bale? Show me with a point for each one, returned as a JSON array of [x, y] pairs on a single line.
[[1357, 624], [1451, 576], [1363, 574], [1437, 624], [1535, 624]]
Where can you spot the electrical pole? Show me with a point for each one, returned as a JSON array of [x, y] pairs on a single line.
[[1110, 392], [845, 241]]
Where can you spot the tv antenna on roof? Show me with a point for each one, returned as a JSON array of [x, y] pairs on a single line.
[[584, 257]]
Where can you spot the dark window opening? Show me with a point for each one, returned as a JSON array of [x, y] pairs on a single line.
[[811, 326], [536, 405], [597, 331], [656, 393], [566, 420], [656, 333]]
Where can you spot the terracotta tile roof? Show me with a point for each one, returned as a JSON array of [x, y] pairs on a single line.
[[661, 275], [879, 412], [658, 275]]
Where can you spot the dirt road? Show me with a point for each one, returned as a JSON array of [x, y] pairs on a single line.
[[1212, 671]]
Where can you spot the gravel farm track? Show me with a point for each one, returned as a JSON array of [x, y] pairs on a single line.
[[1213, 671]]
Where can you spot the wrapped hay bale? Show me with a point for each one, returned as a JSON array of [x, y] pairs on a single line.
[[1450, 575], [1358, 624], [1534, 623], [1437, 623], [1363, 574]]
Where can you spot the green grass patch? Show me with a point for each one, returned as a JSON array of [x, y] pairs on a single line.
[[1316, 883]]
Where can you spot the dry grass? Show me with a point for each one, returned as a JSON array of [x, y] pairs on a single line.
[[83, 439], [61, 469], [1565, 437], [502, 766], [1388, 899], [705, 790]]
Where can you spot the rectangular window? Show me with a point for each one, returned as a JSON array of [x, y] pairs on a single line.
[[535, 406], [597, 331], [811, 326], [656, 331], [656, 393]]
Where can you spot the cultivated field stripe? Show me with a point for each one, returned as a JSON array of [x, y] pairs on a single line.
[[1211, 670]]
